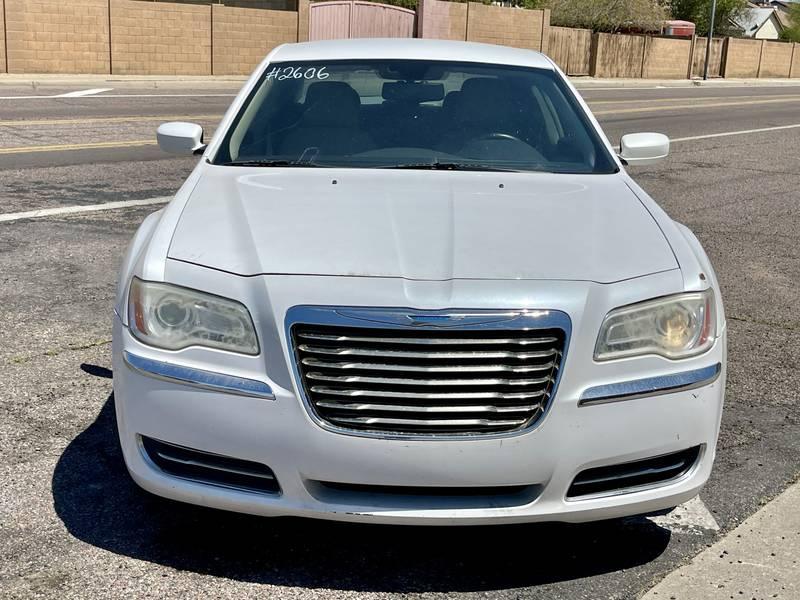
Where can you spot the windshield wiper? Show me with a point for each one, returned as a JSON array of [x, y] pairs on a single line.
[[270, 163], [449, 166]]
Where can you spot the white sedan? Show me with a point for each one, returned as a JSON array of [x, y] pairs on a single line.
[[410, 281]]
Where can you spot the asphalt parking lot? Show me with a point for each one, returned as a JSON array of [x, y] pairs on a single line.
[[73, 524]]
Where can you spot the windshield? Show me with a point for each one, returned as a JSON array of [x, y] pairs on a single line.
[[413, 114]]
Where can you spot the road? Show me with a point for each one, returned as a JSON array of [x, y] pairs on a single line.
[[73, 524]]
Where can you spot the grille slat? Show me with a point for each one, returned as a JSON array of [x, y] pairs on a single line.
[[416, 381], [429, 341], [467, 408], [430, 423], [436, 354], [426, 380], [481, 368], [321, 389]]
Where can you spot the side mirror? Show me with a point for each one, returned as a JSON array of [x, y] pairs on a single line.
[[643, 148], [180, 138]]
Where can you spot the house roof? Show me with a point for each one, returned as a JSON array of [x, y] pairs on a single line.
[[752, 19]]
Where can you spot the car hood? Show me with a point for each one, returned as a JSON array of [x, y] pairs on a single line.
[[424, 225]]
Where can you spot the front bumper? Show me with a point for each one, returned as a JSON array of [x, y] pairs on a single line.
[[280, 434]]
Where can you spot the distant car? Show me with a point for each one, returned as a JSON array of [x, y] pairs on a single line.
[[411, 282]]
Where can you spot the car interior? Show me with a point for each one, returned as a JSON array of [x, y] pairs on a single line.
[[518, 121]]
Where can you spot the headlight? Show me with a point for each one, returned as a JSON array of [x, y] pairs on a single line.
[[673, 327], [172, 317]]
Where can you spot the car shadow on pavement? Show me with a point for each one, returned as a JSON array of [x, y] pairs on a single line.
[[100, 504]]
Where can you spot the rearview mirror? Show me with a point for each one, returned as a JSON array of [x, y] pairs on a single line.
[[180, 138], [643, 148]]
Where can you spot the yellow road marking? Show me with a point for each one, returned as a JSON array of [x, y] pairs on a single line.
[[662, 107], [65, 147], [684, 99], [90, 121]]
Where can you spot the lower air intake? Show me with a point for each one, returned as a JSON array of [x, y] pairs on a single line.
[[629, 476], [208, 468]]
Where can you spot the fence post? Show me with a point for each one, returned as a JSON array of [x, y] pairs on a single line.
[[760, 58], [691, 57], [723, 67], [544, 46], [302, 20], [644, 55], [593, 54]]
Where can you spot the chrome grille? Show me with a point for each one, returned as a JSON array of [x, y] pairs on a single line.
[[427, 380]]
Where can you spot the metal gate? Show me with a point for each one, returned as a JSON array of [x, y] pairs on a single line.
[[354, 19]]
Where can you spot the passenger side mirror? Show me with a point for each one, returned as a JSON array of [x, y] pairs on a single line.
[[643, 148], [180, 138]]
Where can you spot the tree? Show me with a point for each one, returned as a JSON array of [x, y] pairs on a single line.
[[699, 13], [608, 15], [792, 32]]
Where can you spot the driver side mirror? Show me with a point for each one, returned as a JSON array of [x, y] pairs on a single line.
[[180, 138], [643, 148]]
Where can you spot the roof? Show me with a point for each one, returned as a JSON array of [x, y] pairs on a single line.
[[410, 49], [752, 19]]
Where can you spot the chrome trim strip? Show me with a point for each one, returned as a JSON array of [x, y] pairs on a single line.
[[208, 380], [646, 487], [405, 319], [195, 463], [652, 386]]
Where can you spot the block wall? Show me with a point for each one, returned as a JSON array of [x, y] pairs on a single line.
[[508, 26], [776, 59], [742, 58], [154, 38], [57, 36], [442, 20], [666, 58], [242, 37]]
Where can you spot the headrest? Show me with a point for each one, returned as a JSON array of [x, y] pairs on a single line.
[[331, 104], [485, 100]]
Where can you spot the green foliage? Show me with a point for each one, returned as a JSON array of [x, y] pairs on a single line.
[[792, 33], [608, 15], [699, 13]]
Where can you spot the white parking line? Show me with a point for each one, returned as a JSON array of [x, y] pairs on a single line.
[[83, 93], [71, 210], [729, 133]]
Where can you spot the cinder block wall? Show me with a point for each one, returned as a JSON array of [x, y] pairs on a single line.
[[795, 70], [244, 36], [776, 59], [508, 26], [666, 58], [160, 39], [57, 36], [617, 55], [743, 57], [3, 66], [442, 20]]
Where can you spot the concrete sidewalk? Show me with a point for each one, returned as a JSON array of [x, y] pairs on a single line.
[[758, 559]]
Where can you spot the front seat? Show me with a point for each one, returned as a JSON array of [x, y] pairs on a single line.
[[330, 122], [483, 106]]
